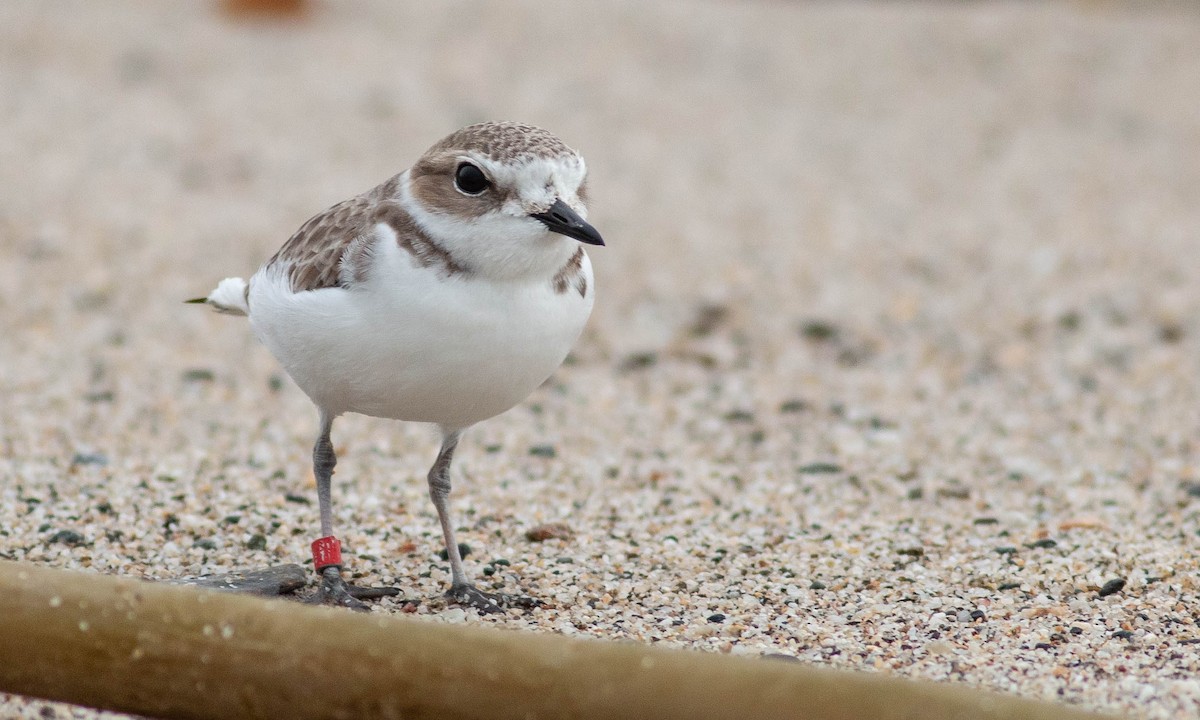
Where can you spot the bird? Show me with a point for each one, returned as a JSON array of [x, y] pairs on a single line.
[[444, 295]]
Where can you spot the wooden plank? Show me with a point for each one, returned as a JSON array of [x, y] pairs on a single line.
[[180, 652]]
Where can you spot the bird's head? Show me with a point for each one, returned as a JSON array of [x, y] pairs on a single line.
[[505, 199]]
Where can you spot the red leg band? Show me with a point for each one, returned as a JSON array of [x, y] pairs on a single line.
[[327, 552]]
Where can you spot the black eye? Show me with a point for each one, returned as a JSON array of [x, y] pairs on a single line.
[[470, 179]]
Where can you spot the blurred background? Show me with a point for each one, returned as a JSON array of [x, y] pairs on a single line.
[[875, 271]]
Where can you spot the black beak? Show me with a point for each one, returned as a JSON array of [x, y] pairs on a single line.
[[563, 220]]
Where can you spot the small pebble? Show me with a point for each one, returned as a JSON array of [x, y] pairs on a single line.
[[739, 416], [67, 537], [708, 318], [463, 551], [818, 330], [1070, 320], [954, 492], [819, 468], [549, 531], [1170, 332], [716, 618], [639, 361], [789, 407], [89, 459], [1112, 587], [544, 451]]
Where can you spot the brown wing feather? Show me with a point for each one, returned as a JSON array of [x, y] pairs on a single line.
[[316, 252]]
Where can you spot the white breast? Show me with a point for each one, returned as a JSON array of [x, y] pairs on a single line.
[[410, 344]]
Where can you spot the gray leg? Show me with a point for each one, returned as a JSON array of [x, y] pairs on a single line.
[[334, 590], [439, 492], [324, 460], [461, 589]]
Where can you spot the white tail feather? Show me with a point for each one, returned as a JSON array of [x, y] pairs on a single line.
[[230, 297]]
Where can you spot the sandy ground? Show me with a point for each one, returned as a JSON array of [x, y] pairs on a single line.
[[894, 364]]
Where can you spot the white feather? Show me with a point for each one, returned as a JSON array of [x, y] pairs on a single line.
[[410, 344], [230, 297]]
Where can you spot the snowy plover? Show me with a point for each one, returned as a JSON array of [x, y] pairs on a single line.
[[444, 295]]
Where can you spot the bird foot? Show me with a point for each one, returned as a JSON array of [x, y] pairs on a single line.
[[487, 603], [337, 592]]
